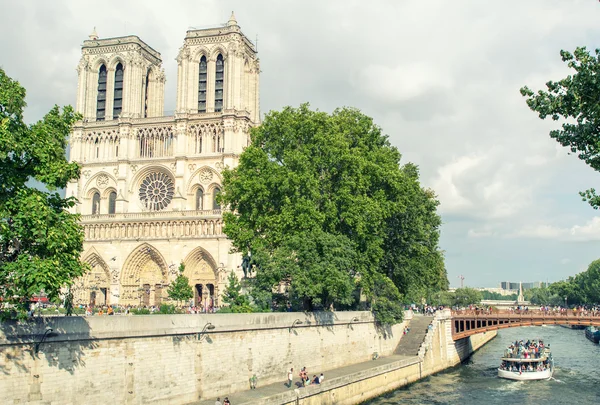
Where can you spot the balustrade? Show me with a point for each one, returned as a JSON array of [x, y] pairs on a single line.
[[197, 228]]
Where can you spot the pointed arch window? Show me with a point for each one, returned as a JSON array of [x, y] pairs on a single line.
[[112, 202], [118, 98], [202, 85], [146, 94], [216, 192], [219, 77], [96, 203], [101, 98], [199, 199]]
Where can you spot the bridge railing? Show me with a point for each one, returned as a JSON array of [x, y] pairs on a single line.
[[522, 312]]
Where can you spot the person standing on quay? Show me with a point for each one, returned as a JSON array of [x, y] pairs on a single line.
[[218, 401], [290, 377]]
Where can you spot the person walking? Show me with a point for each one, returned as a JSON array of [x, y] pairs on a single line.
[[290, 377]]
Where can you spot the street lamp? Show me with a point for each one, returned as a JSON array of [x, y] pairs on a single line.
[[565, 302], [296, 322]]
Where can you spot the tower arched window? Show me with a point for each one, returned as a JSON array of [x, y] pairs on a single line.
[[112, 202], [216, 192], [101, 99], [219, 77], [202, 85], [199, 199], [146, 94], [118, 95], [96, 203]]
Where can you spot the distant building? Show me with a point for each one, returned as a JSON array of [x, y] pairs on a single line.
[[509, 285]]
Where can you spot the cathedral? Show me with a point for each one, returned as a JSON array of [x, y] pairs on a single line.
[[149, 181]]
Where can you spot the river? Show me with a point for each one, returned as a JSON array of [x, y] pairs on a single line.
[[576, 378]]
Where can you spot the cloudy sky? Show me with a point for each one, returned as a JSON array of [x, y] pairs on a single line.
[[441, 78]]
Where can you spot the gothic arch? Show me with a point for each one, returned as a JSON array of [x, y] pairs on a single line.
[[143, 276], [199, 53], [107, 192], [194, 182], [94, 286], [89, 185], [216, 51], [97, 62], [200, 267], [115, 60]]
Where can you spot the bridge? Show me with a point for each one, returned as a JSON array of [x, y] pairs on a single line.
[[467, 323]]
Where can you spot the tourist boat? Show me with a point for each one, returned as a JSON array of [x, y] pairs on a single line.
[[592, 334], [521, 366]]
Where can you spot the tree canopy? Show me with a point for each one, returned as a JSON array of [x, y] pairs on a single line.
[[576, 101], [180, 289], [40, 241], [323, 205]]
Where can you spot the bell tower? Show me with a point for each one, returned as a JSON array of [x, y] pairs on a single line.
[[119, 77], [218, 71]]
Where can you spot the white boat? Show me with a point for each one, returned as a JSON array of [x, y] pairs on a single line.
[[523, 367]]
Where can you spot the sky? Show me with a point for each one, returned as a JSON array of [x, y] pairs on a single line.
[[441, 78]]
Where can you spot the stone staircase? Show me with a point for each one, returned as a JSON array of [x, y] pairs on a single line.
[[411, 342]]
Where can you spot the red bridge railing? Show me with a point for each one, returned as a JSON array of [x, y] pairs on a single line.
[[469, 322]]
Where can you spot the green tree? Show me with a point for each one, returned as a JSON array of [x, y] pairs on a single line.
[[466, 296], [310, 182], [40, 241], [180, 289], [575, 100], [236, 301], [588, 283]]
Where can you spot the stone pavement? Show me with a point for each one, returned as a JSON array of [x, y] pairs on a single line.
[[279, 393]]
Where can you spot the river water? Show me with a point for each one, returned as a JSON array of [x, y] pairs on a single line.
[[576, 377]]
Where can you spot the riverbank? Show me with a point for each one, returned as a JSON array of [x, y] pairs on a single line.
[[360, 382]]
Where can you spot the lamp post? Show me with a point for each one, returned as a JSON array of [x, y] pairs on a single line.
[[565, 302]]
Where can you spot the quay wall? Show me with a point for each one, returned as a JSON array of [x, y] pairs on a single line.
[[438, 352], [176, 359]]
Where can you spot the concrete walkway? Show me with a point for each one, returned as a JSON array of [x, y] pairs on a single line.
[[279, 393]]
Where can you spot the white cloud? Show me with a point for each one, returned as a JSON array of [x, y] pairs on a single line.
[[402, 82], [577, 233]]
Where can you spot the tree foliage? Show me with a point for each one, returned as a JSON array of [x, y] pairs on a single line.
[[323, 205], [180, 289], [40, 241], [576, 101], [466, 296], [236, 301]]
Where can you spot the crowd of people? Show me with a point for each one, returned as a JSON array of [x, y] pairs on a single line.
[[305, 380], [531, 349]]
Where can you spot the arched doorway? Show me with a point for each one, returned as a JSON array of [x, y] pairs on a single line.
[[94, 286], [143, 277], [201, 270]]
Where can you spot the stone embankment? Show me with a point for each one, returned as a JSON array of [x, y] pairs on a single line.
[[181, 359]]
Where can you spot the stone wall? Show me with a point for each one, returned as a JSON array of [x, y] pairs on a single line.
[[176, 359]]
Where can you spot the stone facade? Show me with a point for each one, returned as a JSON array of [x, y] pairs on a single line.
[[149, 181]]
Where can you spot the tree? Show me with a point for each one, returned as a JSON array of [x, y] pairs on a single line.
[[466, 296], [576, 100], [40, 241], [323, 205], [233, 297], [589, 283], [180, 289]]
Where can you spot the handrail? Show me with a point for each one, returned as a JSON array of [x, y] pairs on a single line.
[[148, 215]]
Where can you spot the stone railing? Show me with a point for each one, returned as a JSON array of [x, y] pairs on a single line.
[[150, 215], [154, 229]]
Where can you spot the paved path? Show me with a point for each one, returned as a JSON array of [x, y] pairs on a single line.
[[270, 394], [278, 393]]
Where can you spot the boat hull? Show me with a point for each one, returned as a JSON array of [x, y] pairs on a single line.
[[526, 375], [593, 335]]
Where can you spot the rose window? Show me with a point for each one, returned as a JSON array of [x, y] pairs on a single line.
[[156, 191]]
